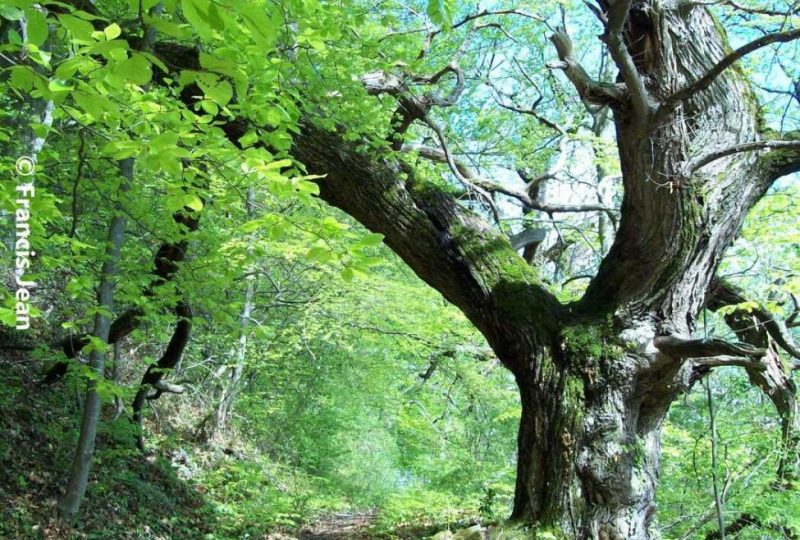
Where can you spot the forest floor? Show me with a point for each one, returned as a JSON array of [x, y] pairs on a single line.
[[155, 497], [129, 496], [340, 525]]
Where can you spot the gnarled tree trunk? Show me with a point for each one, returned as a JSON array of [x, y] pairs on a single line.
[[601, 412]]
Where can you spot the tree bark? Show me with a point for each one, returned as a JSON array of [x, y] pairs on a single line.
[[589, 436]]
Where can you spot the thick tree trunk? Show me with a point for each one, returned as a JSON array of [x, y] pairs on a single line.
[[677, 222], [589, 436]]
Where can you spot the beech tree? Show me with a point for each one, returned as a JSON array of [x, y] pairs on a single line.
[[597, 373]]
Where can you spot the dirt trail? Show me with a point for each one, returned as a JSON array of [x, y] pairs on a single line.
[[353, 525]]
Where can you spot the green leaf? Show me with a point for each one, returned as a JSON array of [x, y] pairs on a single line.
[[8, 317], [371, 239], [137, 69], [11, 13], [57, 86], [306, 187], [441, 12], [21, 78], [121, 149], [181, 201], [164, 141], [320, 254], [193, 201], [96, 344], [248, 139], [167, 28], [197, 13], [263, 27], [280, 164], [112, 31], [221, 92], [217, 65], [347, 274], [37, 27], [80, 29], [155, 61]]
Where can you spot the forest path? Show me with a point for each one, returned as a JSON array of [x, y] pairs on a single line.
[[341, 525]]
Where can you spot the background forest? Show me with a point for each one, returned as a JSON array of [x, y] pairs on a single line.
[[277, 370]]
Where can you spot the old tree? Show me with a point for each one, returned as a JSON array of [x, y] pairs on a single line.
[[444, 127], [597, 375]]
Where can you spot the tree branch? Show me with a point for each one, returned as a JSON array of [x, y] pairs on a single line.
[[449, 247], [725, 294], [738, 7], [591, 91], [153, 377], [436, 154], [705, 81], [530, 111], [640, 101], [478, 15], [678, 347], [783, 158], [704, 160], [774, 381], [162, 387], [725, 360]]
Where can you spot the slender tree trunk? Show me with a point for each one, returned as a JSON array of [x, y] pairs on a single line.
[[231, 388], [712, 420], [115, 373], [79, 472]]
